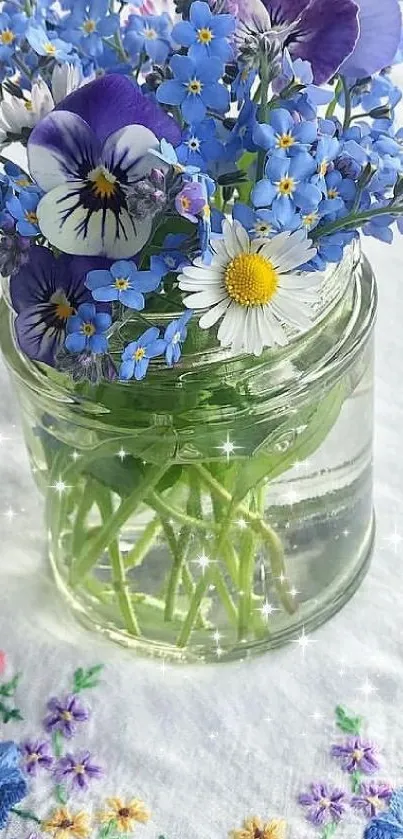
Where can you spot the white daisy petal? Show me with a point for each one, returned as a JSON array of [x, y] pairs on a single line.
[[291, 312], [196, 273], [275, 329], [213, 315], [300, 281], [203, 299], [242, 237], [231, 242]]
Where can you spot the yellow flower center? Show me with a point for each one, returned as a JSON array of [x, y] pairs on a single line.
[[79, 769], [286, 186], [323, 167], [195, 87], [250, 279], [139, 354], [89, 26], [185, 202], [206, 211], [49, 48], [23, 182], [122, 284], [28, 105], [357, 755], [284, 141], [33, 758], [310, 219], [325, 802], [88, 329], [31, 216], [64, 310], [103, 182], [332, 193], [149, 33], [7, 37], [204, 36]]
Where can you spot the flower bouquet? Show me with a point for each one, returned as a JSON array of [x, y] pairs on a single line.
[[187, 315]]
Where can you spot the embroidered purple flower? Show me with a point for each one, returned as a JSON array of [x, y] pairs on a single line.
[[356, 755], [372, 798], [190, 201], [65, 714], [78, 770], [85, 155], [36, 755], [324, 804]]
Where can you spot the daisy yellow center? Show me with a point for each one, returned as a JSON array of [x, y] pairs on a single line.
[[122, 283], [250, 280], [204, 36], [31, 216], [285, 141], [88, 329], [286, 186], [139, 354], [49, 48], [103, 182], [332, 193], [150, 34], [7, 37], [89, 26], [195, 87]]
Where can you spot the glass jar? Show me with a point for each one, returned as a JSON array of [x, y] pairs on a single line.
[[219, 508]]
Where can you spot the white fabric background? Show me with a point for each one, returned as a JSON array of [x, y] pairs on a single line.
[[206, 746]]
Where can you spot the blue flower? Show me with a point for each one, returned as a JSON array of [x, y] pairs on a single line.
[[284, 134], [195, 87], [89, 23], [205, 34], [148, 35], [85, 330], [199, 145], [19, 179], [45, 43], [12, 29], [168, 154], [331, 249], [262, 223], [327, 149], [170, 258], [389, 823], [174, 335], [379, 226], [23, 210], [137, 355], [340, 194], [287, 181], [122, 282], [242, 84], [13, 786]]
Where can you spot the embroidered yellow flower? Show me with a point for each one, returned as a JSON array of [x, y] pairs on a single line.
[[125, 814], [254, 828], [65, 825]]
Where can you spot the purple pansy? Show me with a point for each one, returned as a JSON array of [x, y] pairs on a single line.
[[356, 755], [325, 804], [78, 770], [372, 797], [64, 714], [36, 755], [84, 155]]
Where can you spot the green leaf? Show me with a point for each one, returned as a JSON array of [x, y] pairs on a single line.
[[60, 794], [86, 679], [318, 419], [9, 688], [10, 713], [347, 723], [123, 476], [329, 830], [108, 831]]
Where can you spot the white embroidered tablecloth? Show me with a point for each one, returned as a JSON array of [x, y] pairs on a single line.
[[204, 747]]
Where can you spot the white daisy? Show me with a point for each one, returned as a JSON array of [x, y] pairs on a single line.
[[254, 287]]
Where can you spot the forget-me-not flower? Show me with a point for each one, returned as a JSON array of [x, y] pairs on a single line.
[[122, 282], [195, 87], [86, 330], [205, 34], [137, 355]]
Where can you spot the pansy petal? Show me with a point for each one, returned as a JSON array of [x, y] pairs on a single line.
[[35, 336], [58, 149], [380, 32], [74, 229], [126, 152]]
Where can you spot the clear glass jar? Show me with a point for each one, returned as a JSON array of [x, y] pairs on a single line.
[[221, 507]]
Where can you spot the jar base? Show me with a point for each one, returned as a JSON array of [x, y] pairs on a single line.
[[309, 616]]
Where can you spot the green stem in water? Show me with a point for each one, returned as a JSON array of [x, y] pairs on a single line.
[[246, 568], [144, 543], [192, 614], [164, 508]]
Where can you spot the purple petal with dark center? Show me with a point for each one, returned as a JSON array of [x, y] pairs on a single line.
[[112, 102], [62, 148], [285, 11], [380, 33], [325, 36], [41, 344]]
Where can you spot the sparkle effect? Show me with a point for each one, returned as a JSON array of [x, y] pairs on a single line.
[[228, 447], [303, 641]]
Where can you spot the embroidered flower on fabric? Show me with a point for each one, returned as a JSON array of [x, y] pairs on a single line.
[[356, 754], [36, 754], [372, 798], [78, 770], [65, 714], [124, 814], [63, 824], [389, 824], [325, 804], [255, 828]]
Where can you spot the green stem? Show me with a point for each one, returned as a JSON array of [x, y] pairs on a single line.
[[25, 814], [264, 90], [192, 614], [354, 220], [246, 568], [178, 557], [144, 543], [347, 103], [165, 509], [332, 105], [264, 530], [189, 585], [79, 532], [110, 529]]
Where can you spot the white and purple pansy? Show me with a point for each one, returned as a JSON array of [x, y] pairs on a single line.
[[45, 293], [85, 155]]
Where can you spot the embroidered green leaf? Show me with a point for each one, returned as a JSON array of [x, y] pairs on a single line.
[[108, 831], [347, 723], [356, 778], [8, 714], [25, 814], [61, 794], [57, 743], [85, 679], [329, 830], [9, 688]]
